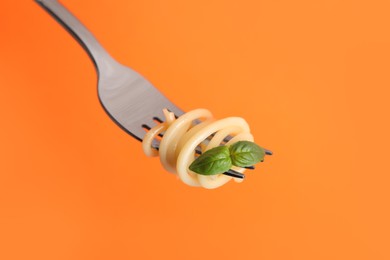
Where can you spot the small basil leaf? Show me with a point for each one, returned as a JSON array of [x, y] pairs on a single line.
[[245, 153], [214, 161]]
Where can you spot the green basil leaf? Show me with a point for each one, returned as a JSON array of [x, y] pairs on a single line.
[[245, 153], [214, 161]]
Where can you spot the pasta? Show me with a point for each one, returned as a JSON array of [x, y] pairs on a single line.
[[196, 129]]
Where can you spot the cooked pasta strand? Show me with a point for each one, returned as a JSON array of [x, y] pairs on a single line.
[[181, 138]]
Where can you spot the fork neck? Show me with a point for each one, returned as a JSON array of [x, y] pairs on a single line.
[[102, 60]]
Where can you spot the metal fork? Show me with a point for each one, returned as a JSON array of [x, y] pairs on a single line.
[[129, 99]]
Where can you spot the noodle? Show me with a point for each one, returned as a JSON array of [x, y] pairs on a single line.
[[182, 136]]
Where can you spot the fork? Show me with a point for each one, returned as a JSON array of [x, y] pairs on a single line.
[[129, 99]]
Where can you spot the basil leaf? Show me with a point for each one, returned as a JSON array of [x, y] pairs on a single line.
[[245, 153], [214, 161]]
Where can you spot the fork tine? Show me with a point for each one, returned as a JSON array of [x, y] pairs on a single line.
[[234, 174]]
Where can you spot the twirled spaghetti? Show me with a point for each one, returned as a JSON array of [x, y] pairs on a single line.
[[182, 136]]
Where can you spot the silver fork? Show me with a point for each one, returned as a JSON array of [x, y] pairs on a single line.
[[129, 99]]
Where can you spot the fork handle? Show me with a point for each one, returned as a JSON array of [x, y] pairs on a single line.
[[98, 54]]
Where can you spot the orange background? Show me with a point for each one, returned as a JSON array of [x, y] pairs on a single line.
[[311, 78]]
